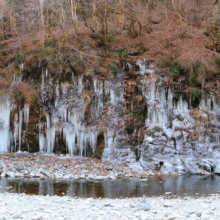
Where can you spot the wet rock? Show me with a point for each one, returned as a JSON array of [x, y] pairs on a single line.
[[99, 165], [27, 164], [83, 166], [143, 206], [56, 167], [11, 167], [29, 169], [109, 167], [19, 175], [82, 175], [90, 176], [20, 167], [10, 174], [45, 172]]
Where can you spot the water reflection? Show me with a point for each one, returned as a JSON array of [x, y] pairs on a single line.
[[203, 185]]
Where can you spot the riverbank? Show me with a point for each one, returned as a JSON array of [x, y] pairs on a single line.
[[68, 167], [21, 206]]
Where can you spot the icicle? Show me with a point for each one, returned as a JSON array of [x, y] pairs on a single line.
[[142, 66], [26, 114], [16, 131], [63, 112], [50, 139], [20, 128], [5, 108], [21, 67], [182, 106], [69, 135], [48, 120], [109, 138], [46, 72], [98, 86], [57, 90], [47, 144], [80, 84], [41, 142], [43, 77]]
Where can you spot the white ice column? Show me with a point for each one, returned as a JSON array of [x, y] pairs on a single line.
[[5, 108], [26, 114]]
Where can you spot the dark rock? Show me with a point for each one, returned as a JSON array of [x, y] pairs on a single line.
[[199, 214], [109, 167]]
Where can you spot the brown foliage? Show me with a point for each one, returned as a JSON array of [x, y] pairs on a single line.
[[26, 92]]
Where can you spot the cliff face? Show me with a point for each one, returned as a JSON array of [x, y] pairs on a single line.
[[134, 115]]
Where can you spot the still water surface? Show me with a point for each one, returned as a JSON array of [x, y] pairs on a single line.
[[181, 185]]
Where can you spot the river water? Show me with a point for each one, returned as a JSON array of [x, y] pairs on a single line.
[[133, 187]]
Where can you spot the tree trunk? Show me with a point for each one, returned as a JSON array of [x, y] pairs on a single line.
[[121, 16], [74, 15]]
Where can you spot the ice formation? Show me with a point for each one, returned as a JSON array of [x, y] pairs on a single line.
[[76, 111]]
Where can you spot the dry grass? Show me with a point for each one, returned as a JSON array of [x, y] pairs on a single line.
[[26, 92]]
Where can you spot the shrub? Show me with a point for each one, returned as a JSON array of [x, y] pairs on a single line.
[[175, 68], [19, 59], [124, 53], [109, 38], [17, 92], [36, 50], [48, 43], [217, 61], [113, 68], [35, 98], [17, 74], [195, 92], [95, 35], [46, 53], [112, 55], [164, 63]]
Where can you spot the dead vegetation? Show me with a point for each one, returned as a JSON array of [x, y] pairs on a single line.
[[94, 37]]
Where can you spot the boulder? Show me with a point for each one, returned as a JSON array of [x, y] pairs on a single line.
[[27, 164], [145, 206], [83, 166], [109, 167], [20, 167]]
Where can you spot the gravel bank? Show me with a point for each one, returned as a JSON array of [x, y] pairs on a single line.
[[22, 206], [67, 167]]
